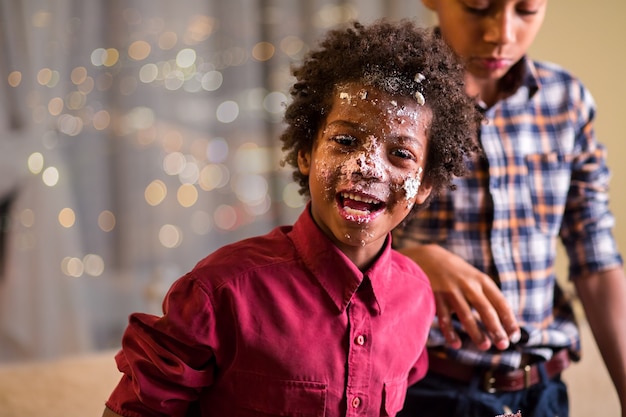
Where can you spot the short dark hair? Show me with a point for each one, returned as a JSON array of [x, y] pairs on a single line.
[[401, 59]]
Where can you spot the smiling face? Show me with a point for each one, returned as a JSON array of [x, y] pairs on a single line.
[[366, 167], [489, 35]]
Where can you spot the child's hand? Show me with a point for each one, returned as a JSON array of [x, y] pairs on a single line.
[[474, 297]]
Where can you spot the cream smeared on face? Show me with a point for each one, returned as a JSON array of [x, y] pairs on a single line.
[[412, 185], [367, 164]]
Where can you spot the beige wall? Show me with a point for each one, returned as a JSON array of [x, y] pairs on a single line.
[[587, 37]]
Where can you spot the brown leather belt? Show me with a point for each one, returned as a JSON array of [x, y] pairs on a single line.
[[494, 381]]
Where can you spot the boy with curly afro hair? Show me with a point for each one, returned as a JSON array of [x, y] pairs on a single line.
[[402, 60], [314, 318]]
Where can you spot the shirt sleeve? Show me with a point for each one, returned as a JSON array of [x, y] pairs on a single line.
[[587, 229], [167, 361]]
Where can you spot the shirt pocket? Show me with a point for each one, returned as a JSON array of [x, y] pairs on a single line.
[[394, 393], [261, 395], [549, 178]]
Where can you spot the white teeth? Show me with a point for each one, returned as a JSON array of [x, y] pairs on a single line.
[[355, 197]]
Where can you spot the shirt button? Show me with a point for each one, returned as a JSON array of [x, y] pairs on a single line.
[[356, 402], [360, 340]]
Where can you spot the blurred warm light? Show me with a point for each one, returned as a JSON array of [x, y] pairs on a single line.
[[292, 197], [198, 148], [274, 102], [260, 207], [190, 173], [72, 267], [212, 80], [139, 50], [101, 120], [76, 100], [67, 218], [50, 176], [155, 192], [35, 162], [44, 76], [173, 141], [225, 217], [86, 86], [15, 78], [106, 221], [186, 58], [292, 45], [332, 15], [168, 40], [213, 176], [187, 195], [263, 51], [93, 264], [111, 57], [148, 73], [70, 125], [250, 158], [170, 236], [250, 189], [174, 80], [200, 28], [140, 118], [174, 163], [27, 217], [78, 75], [227, 111]]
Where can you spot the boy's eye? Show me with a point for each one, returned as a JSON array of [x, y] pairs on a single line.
[[526, 12], [345, 140], [403, 154]]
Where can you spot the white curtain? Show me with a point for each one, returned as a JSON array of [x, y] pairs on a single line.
[[135, 138]]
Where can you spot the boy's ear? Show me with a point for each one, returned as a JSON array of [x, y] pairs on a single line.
[[430, 4], [304, 162]]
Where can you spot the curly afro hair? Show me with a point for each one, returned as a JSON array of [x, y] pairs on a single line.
[[389, 56]]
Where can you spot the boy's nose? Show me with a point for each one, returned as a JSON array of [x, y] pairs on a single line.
[[371, 166], [499, 28]]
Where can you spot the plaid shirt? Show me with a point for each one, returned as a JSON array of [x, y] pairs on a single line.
[[543, 177]]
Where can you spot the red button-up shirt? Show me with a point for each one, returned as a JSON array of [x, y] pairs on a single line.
[[280, 325]]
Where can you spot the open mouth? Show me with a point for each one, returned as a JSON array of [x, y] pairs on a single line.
[[358, 205]]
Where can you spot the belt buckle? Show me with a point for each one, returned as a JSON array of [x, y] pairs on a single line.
[[488, 382]]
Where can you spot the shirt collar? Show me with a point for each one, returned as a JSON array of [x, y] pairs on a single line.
[[337, 274]]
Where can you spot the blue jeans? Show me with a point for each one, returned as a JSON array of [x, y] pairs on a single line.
[[438, 396]]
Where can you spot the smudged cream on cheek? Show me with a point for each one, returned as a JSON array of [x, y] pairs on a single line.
[[411, 185]]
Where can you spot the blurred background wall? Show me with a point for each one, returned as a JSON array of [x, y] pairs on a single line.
[[138, 136]]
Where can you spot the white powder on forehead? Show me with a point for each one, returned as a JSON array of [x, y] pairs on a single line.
[[411, 185]]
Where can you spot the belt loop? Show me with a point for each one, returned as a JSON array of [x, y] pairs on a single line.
[[527, 376]]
